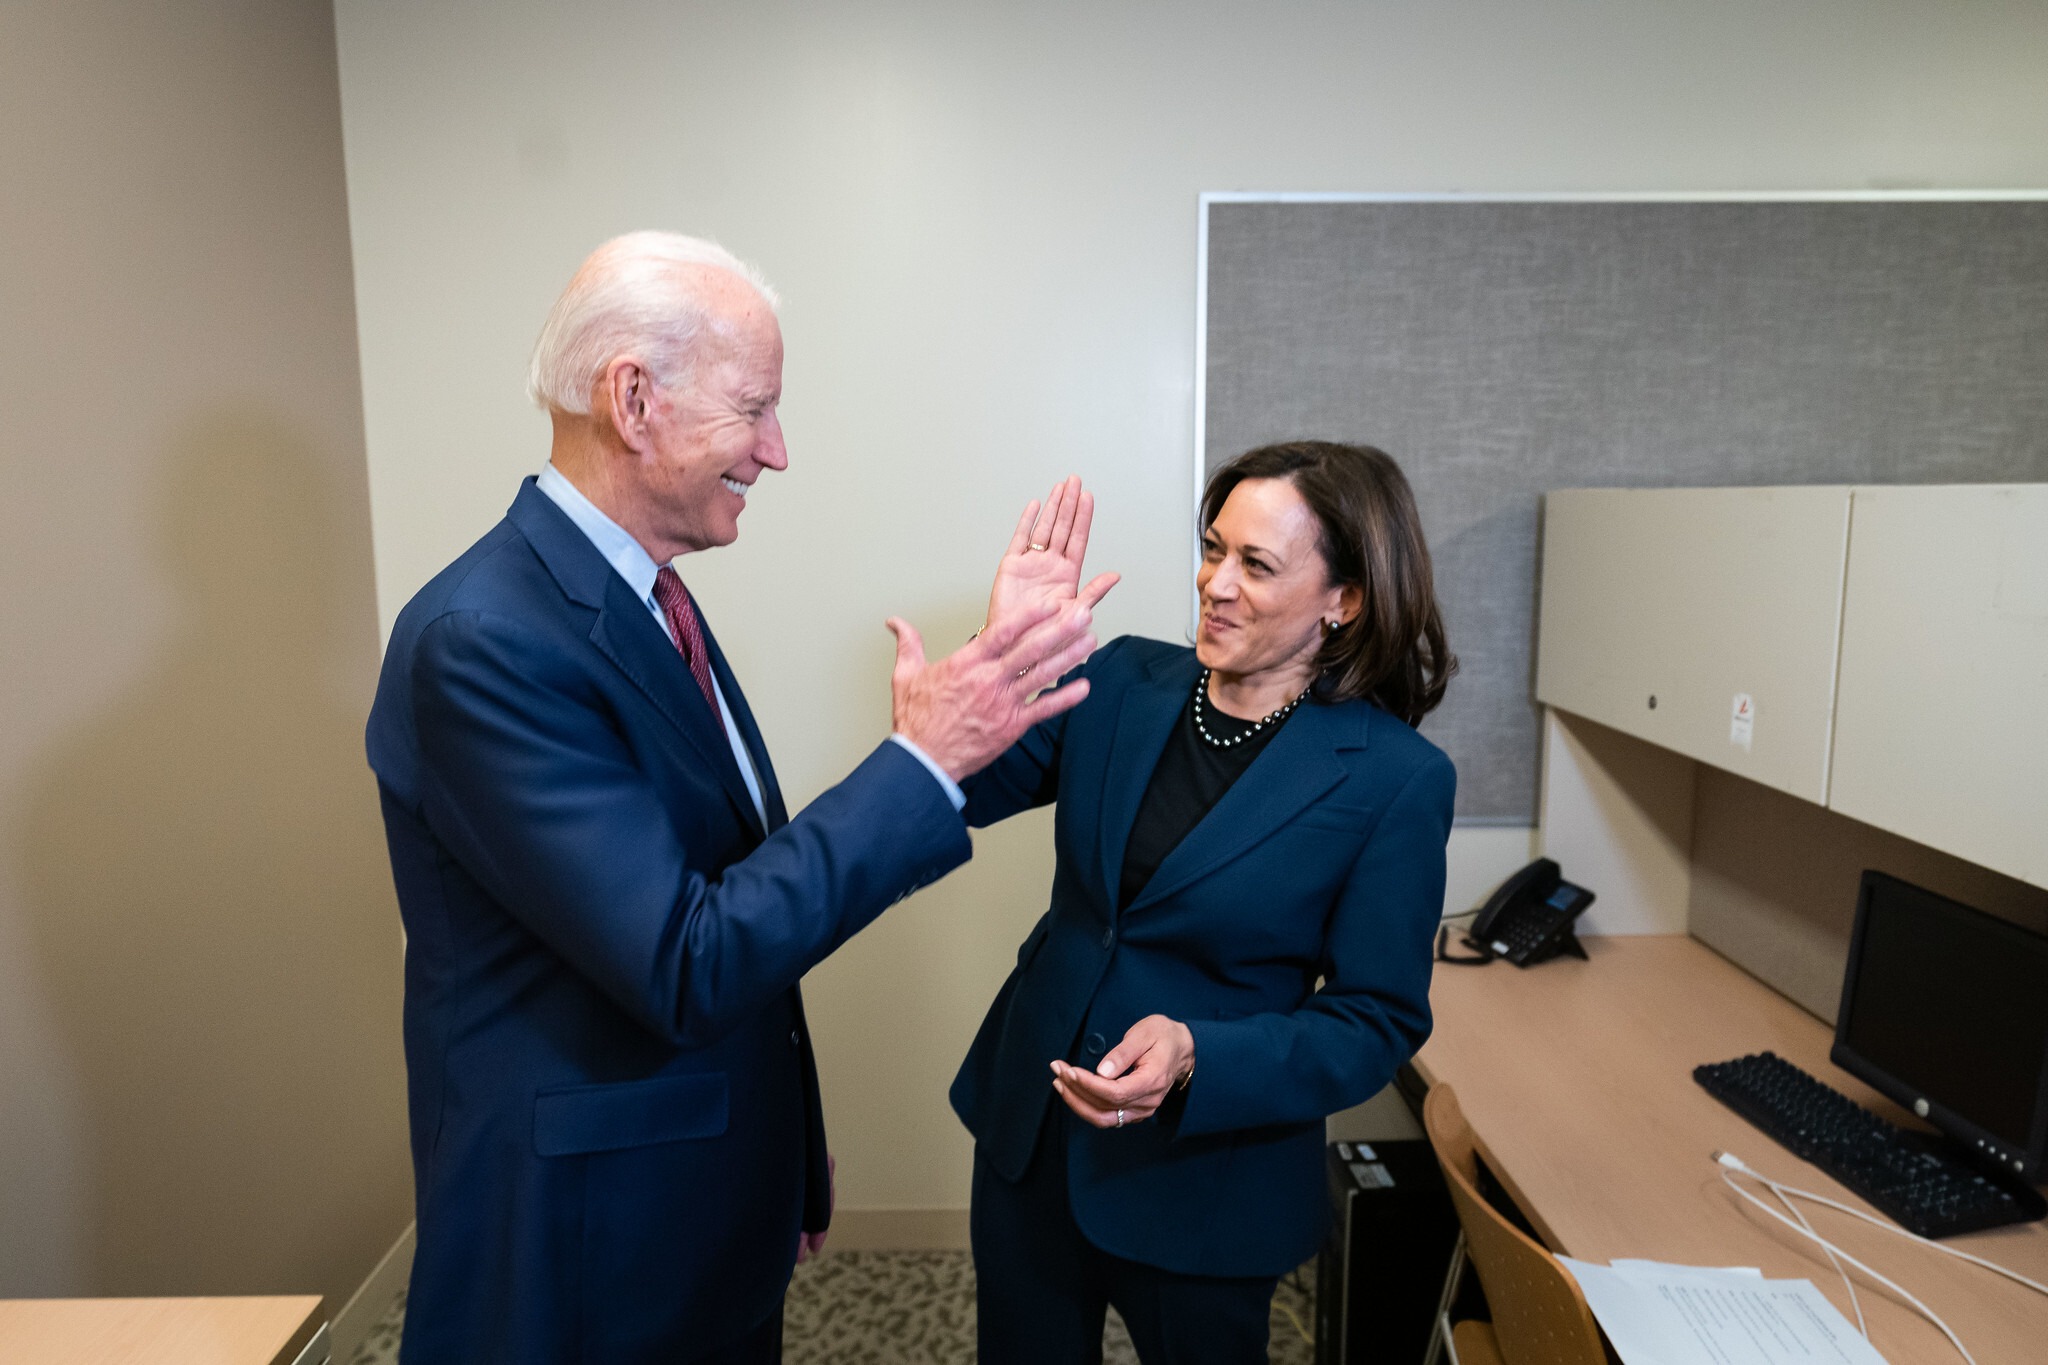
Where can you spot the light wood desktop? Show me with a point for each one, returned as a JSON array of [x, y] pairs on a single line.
[[1577, 1079], [223, 1331]]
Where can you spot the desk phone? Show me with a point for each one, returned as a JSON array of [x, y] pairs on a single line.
[[1527, 920]]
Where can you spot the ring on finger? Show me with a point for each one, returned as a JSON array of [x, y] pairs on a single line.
[[1036, 546], [1119, 1118]]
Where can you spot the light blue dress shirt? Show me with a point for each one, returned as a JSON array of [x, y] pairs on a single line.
[[637, 567]]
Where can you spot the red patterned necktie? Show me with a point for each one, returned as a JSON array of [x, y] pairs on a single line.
[[688, 630]]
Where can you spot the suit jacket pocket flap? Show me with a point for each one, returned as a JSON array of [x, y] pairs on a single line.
[[605, 1118], [1328, 815]]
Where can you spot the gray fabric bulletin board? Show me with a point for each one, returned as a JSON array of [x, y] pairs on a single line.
[[1498, 349]]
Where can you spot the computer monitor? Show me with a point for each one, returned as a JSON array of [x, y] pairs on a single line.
[[1945, 1010]]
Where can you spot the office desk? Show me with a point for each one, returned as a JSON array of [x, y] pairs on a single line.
[[228, 1331], [1577, 1080]]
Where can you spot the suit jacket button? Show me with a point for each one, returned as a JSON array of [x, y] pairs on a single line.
[[794, 1040], [1094, 1043], [1109, 938]]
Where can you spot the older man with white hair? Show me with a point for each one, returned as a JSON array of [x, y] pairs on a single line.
[[615, 1119]]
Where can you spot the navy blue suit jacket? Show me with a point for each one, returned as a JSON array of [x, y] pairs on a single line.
[[1324, 862], [614, 1108]]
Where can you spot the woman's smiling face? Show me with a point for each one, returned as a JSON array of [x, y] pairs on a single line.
[[1265, 589]]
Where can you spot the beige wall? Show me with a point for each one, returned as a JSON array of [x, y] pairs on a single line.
[[200, 1088], [1775, 880], [983, 219]]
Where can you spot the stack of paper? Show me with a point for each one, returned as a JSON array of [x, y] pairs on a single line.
[[1657, 1314]]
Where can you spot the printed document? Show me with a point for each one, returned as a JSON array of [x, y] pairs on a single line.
[[1657, 1314]]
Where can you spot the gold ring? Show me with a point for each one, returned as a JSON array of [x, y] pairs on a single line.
[[1036, 546]]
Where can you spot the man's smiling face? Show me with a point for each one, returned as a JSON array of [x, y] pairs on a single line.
[[714, 433]]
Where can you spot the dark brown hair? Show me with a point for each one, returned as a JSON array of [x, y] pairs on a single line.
[[1393, 653]]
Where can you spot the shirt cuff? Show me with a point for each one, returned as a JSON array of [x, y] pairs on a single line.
[[952, 788]]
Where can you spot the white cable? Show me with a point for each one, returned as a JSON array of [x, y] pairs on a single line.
[[1734, 1163], [1890, 1227], [1992, 1266], [1862, 1328]]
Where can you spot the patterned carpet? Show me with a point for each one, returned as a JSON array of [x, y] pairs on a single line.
[[908, 1308], [381, 1346]]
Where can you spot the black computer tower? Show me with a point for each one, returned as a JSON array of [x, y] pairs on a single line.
[[1380, 1277]]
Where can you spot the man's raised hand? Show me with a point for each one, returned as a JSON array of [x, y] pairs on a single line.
[[968, 707]]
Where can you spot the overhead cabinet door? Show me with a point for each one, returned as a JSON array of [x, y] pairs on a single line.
[[1941, 726], [1702, 620]]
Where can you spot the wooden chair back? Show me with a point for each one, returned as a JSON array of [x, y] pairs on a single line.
[[1540, 1315]]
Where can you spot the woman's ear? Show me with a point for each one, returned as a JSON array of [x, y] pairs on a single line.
[[1350, 600]]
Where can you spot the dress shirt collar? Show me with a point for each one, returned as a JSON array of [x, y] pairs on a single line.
[[619, 549]]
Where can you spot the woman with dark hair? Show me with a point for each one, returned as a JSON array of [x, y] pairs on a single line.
[[1250, 841]]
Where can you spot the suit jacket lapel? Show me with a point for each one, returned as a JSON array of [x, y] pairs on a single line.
[[750, 733], [626, 633], [1297, 767], [1143, 723]]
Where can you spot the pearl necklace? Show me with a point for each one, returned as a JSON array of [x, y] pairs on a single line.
[[1202, 690]]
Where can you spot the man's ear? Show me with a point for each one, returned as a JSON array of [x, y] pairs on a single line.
[[627, 394]]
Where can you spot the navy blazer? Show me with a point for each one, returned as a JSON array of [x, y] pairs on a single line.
[[615, 1123], [1323, 862]]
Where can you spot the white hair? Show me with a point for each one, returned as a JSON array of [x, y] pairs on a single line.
[[629, 297]]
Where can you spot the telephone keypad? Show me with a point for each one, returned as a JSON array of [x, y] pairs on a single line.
[[1529, 930]]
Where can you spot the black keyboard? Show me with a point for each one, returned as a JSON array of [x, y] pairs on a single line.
[[1903, 1173]]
